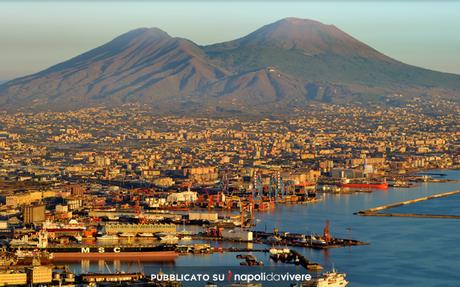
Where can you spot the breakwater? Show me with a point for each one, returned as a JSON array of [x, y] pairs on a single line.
[[376, 211]]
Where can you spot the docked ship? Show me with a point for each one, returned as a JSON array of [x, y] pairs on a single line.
[[151, 253], [327, 279], [71, 226], [364, 183], [169, 238], [29, 257], [163, 252]]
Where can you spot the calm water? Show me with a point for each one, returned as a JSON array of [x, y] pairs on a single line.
[[402, 252]]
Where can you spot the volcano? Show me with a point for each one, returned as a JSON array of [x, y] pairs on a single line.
[[289, 64]]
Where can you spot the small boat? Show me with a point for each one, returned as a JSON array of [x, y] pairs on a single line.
[[278, 254], [279, 250], [249, 260], [169, 238], [328, 279], [317, 241], [25, 241], [186, 238]]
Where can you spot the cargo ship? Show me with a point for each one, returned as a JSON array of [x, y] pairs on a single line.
[[163, 252], [156, 253], [378, 184]]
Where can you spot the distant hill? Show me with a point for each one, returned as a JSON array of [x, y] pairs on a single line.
[[284, 65]]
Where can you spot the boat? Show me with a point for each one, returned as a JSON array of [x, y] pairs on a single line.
[[279, 250], [169, 238], [280, 254], [74, 253], [364, 183], [249, 260], [113, 217], [72, 226], [29, 257], [151, 253], [399, 183], [24, 241], [108, 237], [327, 279], [317, 240], [186, 238]]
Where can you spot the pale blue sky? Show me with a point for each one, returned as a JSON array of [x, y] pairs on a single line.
[[37, 34]]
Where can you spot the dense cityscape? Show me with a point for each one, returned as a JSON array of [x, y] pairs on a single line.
[[132, 182]]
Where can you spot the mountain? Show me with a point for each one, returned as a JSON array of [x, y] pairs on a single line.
[[143, 66], [317, 52], [282, 66]]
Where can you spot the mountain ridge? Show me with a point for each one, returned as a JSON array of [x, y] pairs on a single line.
[[289, 63]]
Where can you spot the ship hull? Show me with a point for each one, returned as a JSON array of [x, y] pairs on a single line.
[[156, 253], [366, 185], [158, 256]]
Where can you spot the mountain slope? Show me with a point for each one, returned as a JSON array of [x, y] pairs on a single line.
[[284, 65], [144, 65], [317, 52]]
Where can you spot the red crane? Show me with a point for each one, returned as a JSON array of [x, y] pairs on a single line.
[[137, 211], [326, 233]]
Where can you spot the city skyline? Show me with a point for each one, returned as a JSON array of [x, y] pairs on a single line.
[[232, 143], [37, 42]]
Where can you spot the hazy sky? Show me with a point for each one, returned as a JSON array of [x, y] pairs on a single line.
[[37, 34]]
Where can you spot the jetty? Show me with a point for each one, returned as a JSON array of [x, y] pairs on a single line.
[[376, 211]]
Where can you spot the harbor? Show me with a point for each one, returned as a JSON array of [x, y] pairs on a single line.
[[312, 246], [344, 224]]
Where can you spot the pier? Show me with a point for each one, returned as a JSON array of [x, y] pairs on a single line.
[[376, 210]]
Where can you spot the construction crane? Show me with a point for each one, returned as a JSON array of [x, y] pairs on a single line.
[[140, 215], [210, 200], [224, 183], [258, 186], [326, 233], [246, 209]]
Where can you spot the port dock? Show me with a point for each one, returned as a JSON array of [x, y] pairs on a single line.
[[376, 211]]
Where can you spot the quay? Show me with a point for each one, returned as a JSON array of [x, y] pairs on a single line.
[[376, 210], [324, 241], [416, 215]]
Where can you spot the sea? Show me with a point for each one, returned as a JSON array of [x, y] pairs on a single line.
[[402, 251]]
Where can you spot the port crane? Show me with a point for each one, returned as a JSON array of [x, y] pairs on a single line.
[[326, 233], [140, 215]]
